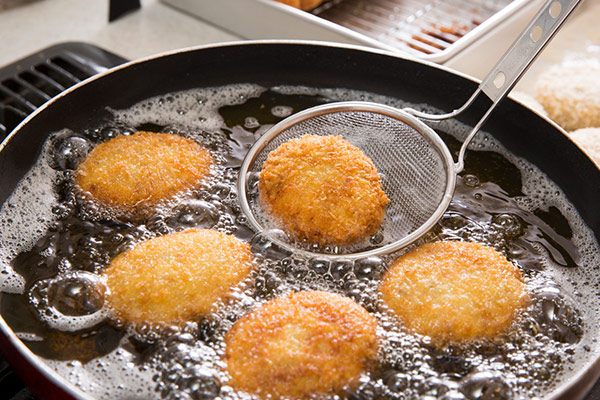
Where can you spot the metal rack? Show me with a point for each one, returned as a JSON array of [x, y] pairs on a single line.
[[417, 27]]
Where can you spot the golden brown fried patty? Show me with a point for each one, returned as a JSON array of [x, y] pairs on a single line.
[[177, 276], [323, 189], [293, 347], [139, 170], [454, 291]]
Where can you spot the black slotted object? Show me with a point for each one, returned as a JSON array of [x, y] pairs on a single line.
[[28, 83]]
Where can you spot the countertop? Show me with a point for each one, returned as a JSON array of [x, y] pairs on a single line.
[[154, 28]]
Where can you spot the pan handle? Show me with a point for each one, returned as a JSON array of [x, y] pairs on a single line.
[[517, 59], [511, 67]]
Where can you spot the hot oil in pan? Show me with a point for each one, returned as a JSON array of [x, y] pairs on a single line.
[[499, 201]]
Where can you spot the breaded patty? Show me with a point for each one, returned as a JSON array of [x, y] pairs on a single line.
[[454, 291], [132, 172], [570, 94], [309, 343], [323, 189], [176, 277]]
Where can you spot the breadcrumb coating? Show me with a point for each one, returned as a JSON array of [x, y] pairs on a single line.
[[132, 172], [176, 277], [570, 94], [454, 291], [323, 190], [310, 343]]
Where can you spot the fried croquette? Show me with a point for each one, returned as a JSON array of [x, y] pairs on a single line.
[[176, 277], [570, 94], [131, 172], [323, 189], [454, 291], [310, 343]]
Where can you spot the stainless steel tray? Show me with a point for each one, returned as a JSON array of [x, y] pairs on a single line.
[[435, 30]]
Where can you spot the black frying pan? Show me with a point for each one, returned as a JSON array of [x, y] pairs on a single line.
[[520, 130]]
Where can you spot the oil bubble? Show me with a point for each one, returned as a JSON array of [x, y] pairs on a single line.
[[186, 371], [194, 213], [282, 111], [262, 244], [368, 267], [556, 316], [397, 382], [340, 269], [485, 386], [76, 295], [470, 180], [251, 123], [435, 387], [66, 150], [70, 302], [454, 220], [221, 190], [252, 183], [108, 133], [267, 284], [453, 395], [320, 266], [377, 238], [509, 224]]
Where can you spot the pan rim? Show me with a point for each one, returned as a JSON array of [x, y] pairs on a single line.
[[142, 60], [54, 377]]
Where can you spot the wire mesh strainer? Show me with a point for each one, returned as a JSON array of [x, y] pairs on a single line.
[[416, 168]]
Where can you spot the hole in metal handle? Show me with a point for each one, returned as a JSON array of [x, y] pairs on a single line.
[[499, 79], [555, 9], [536, 33]]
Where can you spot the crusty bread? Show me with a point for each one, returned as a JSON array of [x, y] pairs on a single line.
[[310, 344], [176, 277], [136, 171]]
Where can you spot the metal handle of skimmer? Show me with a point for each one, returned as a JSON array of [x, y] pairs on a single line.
[[513, 64]]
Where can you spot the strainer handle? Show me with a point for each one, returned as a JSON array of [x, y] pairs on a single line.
[[517, 59], [511, 67]]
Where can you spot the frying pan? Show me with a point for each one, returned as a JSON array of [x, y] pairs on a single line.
[[316, 64]]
